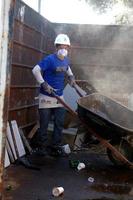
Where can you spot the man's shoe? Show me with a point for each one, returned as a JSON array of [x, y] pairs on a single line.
[[40, 152], [55, 151]]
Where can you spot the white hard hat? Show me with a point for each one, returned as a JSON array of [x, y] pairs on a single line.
[[62, 39]]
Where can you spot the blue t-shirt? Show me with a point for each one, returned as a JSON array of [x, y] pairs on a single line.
[[53, 72]]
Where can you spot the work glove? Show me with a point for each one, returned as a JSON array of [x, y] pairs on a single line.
[[71, 81], [47, 87]]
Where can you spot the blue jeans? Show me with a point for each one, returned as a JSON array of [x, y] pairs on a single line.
[[45, 116]]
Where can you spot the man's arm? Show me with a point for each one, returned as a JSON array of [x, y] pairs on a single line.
[[71, 77], [38, 76]]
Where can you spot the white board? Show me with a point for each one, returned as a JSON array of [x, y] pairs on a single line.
[[9, 151], [10, 139], [19, 143], [71, 96], [7, 161]]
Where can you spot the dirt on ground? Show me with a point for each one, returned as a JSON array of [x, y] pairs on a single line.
[[99, 180]]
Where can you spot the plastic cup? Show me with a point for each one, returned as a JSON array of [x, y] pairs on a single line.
[[81, 166], [57, 191], [66, 149], [91, 179]]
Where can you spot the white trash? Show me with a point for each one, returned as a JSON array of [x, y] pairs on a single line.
[[66, 149], [57, 191], [80, 166], [91, 179]]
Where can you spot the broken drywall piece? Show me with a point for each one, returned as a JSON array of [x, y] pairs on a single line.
[[71, 96], [18, 141], [11, 143], [7, 161], [9, 151]]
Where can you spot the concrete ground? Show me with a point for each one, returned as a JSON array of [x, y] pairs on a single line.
[[110, 183]]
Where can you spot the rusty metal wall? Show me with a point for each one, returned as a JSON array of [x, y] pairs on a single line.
[[6, 30], [33, 39]]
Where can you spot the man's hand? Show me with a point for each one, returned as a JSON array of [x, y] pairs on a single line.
[[47, 87]]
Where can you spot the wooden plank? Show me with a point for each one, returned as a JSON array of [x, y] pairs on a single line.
[[78, 141], [17, 139], [25, 141], [33, 131]]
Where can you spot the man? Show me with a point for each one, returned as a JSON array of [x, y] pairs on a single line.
[[50, 74]]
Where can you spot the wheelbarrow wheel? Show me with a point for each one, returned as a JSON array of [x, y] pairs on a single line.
[[124, 148]]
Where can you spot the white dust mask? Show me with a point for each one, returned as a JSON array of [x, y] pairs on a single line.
[[62, 52]]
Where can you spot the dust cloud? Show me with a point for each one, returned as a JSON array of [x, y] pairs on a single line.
[[102, 55]]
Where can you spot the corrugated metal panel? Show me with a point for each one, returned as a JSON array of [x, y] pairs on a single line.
[[33, 39]]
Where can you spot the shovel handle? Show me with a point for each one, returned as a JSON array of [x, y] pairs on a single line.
[[65, 104]]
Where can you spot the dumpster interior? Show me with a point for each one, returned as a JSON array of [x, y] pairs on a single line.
[[100, 180], [101, 59]]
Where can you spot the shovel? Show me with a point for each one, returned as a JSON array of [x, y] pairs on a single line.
[[102, 141]]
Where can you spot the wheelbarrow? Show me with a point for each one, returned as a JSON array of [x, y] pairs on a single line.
[[110, 122]]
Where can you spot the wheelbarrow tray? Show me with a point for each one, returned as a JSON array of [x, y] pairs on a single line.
[[110, 119]]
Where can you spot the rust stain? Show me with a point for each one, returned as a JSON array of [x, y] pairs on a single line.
[[116, 189]]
